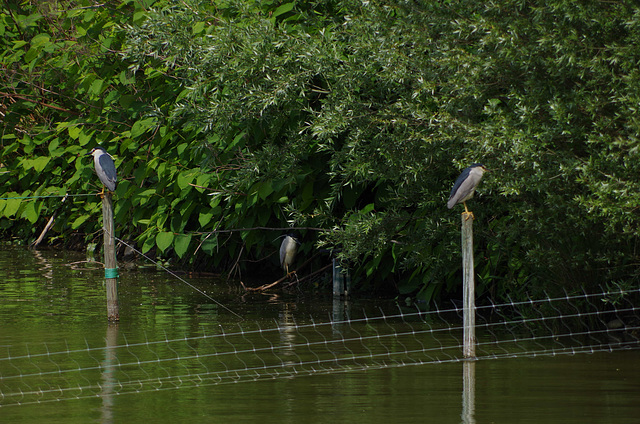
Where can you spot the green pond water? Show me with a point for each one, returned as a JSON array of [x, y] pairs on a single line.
[[177, 357]]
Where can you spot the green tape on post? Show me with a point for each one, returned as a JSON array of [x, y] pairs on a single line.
[[111, 273]]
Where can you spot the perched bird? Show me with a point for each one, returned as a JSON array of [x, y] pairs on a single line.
[[465, 187], [288, 250], [105, 168]]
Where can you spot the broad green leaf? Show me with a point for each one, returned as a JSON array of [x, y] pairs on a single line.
[[74, 132], [202, 181], [96, 87], [30, 212], [164, 240], [83, 138], [127, 100], [32, 54], [287, 7], [12, 206], [40, 163], [204, 218], [181, 148], [19, 44], [427, 292], [185, 178], [127, 78], [139, 16], [265, 189], [197, 28], [55, 150], [237, 139], [181, 244], [149, 243], [184, 93], [177, 223], [79, 221], [142, 126], [89, 15], [40, 40], [209, 245], [368, 208], [143, 197]]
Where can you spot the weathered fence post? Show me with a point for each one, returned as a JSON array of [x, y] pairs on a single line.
[[110, 264], [341, 280], [468, 281], [338, 280]]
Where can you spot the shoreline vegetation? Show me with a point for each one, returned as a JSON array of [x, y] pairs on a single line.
[[349, 120]]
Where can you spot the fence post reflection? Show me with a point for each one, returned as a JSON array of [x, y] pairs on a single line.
[[468, 392], [108, 373]]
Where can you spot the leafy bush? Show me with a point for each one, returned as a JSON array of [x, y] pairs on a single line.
[[350, 117]]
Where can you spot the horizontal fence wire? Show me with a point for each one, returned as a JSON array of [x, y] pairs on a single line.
[[568, 325]]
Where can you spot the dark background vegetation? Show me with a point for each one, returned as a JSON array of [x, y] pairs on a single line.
[[347, 116]]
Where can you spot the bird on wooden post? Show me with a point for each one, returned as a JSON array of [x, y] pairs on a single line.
[[288, 250], [105, 168], [465, 187]]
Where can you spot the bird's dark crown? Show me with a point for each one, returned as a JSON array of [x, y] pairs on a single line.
[[96, 148]]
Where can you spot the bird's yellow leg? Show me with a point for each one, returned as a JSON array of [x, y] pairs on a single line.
[[468, 214]]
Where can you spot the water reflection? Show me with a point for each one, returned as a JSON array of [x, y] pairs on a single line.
[[468, 392], [108, 373], [46, 267], [288, 330], [341, 312]]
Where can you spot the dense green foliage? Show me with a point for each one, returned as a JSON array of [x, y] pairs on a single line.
[[352, 117]]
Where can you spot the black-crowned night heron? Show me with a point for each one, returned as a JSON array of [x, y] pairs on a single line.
[[465, 187], [288, 250], [105, 168]]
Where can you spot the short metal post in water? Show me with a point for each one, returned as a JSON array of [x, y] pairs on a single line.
[[338, 279], [468, 281], [110, 264]]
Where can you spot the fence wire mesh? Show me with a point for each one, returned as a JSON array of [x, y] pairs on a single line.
[[567, 325]]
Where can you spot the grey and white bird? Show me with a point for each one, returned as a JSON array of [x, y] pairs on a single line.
[[465, 187], [288, 250], [105, 168]]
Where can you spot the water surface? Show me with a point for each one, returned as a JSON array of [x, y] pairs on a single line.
[[177, 357]]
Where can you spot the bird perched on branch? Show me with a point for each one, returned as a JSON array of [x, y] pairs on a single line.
[[105, 168], [465, 187], [288, 250]]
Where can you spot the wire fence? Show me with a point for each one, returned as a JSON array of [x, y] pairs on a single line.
[[568, 325]]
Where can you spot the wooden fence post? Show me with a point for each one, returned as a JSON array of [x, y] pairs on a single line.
[[110, 264], [341, 280], [468, 281]]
